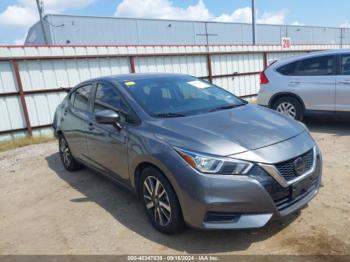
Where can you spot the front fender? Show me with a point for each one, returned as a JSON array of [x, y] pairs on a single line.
[[148, 150]]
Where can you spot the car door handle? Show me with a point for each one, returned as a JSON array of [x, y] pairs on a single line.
[[91, 126], [294, 82], [344, 82]]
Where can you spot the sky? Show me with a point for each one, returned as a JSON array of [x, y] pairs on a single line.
[[16, 16]]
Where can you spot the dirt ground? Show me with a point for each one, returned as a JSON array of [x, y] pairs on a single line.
[[46, 210]]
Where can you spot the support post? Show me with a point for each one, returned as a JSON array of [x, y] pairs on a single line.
[[22, 97], [265, 60], [253, 22], [40, 11], [210, 73], [132, 64]]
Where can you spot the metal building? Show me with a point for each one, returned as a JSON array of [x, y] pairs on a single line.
[[88, 30]]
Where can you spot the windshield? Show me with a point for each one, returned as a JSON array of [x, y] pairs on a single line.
[[176, 96]]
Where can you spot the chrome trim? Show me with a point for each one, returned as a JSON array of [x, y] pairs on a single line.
[[273, 171]]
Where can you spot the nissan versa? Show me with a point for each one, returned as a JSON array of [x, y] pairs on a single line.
[[194, 153]]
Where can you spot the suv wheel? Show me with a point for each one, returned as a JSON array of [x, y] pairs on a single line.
[[160, 202], [67, 158], [289, 106]]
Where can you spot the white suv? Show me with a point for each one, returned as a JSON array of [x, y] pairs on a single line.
[[303, 85]]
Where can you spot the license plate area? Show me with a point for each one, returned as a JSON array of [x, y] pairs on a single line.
[[302, 186]]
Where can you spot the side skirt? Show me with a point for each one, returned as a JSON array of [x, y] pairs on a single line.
[[110, 175], [336, 114]]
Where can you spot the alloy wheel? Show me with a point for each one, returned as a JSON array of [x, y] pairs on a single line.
[[287, 108], [65, 152], [157, 201]]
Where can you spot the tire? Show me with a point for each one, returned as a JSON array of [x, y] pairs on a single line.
[[163, 209], [289, 106], [66, 156]]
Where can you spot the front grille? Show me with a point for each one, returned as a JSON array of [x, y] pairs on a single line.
[[287, 170], [285, 202]]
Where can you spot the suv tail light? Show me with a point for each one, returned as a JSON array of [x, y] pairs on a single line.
[[263, 79]]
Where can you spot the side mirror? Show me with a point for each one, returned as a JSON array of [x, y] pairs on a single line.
[[107, 117]]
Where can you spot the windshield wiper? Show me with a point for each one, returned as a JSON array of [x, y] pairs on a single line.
[[225, 107], [168, 115]]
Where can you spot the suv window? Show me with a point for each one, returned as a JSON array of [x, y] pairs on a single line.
[[345, 64], [288, 69], [107, 97], [316, 66], [80, 98]]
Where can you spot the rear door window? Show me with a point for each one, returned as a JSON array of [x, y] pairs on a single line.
[[80, 98], [316, 66], [345, 64], [288, 69]]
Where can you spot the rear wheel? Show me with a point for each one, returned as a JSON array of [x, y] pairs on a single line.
[[160, 202], [289, 106], [66, 156]]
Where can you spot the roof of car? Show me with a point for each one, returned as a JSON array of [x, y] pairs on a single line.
[[332, 51], [138, 76], [129, 77], [289, 59]]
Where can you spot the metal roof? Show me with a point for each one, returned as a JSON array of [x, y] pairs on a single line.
[[181, 20], [90, 30]]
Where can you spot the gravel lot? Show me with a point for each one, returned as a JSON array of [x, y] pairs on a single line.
[[46, 210]]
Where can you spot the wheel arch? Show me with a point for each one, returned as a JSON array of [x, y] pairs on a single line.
[[138, 171], [277, 96], [58, 133], [139, 167]]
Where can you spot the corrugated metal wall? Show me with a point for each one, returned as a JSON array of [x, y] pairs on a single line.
[[32, 78], [10, 107], [193, 65]]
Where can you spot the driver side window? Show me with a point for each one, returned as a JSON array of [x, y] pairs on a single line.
[[107, 97]]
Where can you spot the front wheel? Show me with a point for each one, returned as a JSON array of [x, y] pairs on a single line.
[[289, 106], [66, 156], [160, 202]]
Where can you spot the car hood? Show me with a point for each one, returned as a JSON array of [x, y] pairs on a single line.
[[227, 132]]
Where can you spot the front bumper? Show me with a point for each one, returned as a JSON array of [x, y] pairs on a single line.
[[237, 202]]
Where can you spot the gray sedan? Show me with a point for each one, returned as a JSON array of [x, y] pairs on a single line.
[[192, 152]]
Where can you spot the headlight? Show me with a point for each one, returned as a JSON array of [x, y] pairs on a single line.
[[214, 165]]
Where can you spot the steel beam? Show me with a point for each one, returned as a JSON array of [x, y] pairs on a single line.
[[21, 96]]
